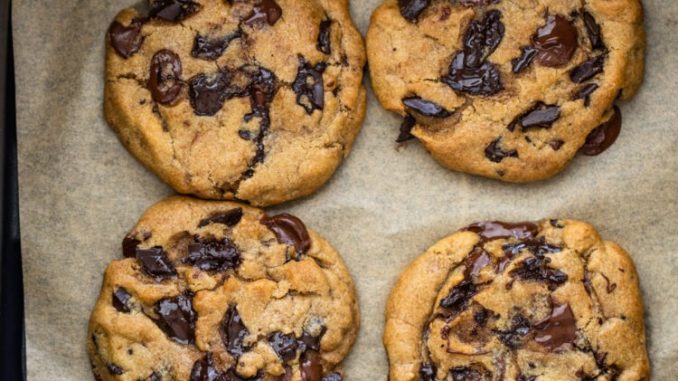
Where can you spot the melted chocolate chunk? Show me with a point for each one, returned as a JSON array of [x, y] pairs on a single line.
[[476, 262], [476, 372], [285, 346], [204, 370], [120, 299], [309, 86], [540, 116], [173, 10], [155, 263], [536, 269], [406, 129], [114, 369], [308, 342], [588, 69], [411, 9], [425, 108], [213, 254], [211, 49], [593, 29], [332, 377], [528, 53], [165, 77], [492, 230], [482, 38], [556, 41], [459, 297], [265, 11], [126, 40], [233, 333], [559, 330], [585, 92], [495, 153], [229, 218], [324, 41], [515, 335], [289, 230], [311, 366], [427, 372], [176, 318], [129, 246], [602, 138], [537, 247], [208, 93]]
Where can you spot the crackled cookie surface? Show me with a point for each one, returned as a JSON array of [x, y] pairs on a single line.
[[511, 90], [236, 99], [522, 302], [217, 291]]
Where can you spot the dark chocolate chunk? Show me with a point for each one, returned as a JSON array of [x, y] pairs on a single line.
[[406, 129], [585, 92], [411, 9], [588, 69], [173, 10], [593, 29], [309, 86], [482, 38], [514, 336], [155, 263], [495, 153], [324, 40], [537, 269], [129, 246], [126, 40], [557, 144], [491, 230], [208, 93], [213, 255], [155, 377], [537, 247], [120, 299], [539, 116], [476, 261], [311, 366], [233, 332], [261, 90], [176, 318], [285, 346], [481, 316], [229, 218], [459, 297], [556, 41], [165, 77], [333, 377], [204, 370], [289, 230], [427, 372], [528, 53], [425, 108], [603, 136], [211, 49], [559, 330], [308, 342], [475, 372], [267, 11], [114, 369]]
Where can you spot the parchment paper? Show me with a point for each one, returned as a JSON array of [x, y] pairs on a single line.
[[80, 191]]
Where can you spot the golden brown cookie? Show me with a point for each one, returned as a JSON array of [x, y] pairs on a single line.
[[521, 302], [256, 100], [218, 291], [511, 90]]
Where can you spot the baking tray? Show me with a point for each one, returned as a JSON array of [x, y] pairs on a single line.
[[12, 344]]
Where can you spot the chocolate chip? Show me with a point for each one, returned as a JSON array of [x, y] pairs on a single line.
[[406, 129], [129, 246], [495, 153], [114, 369], [311, 366], [536, 268], [333, 377], [425, 108], [126, 40], [559, 330], [481, 316], [603, 136], [427, 372], [155, 263], [265, 11], [491, 230], [411, 9], [539, 116], [459, 297], [593, 29], [204, 370], [233, 332], [155, 377], [309, 86], [584, 93], [120, 299], [173, 10], [514, 336], [285, 346], [556, 41], [211, 49], [165, 77], [213, 254], [588, 69], [476, 372], [557, 144], [208, 93], [229, 218], [324, 41], [528, 53], [289, 230], [176, 318]]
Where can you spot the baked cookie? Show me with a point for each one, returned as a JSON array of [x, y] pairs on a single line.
[[237, 99], [521, 302], [218, 291], [510, 90]]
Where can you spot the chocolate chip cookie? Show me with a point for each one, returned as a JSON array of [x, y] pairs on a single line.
[[218, 291], [255, 100], [523, 302], [510, 90]]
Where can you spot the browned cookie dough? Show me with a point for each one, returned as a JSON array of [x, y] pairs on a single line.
[[218, 291], [256, 100], [520, 302], [510, 90]]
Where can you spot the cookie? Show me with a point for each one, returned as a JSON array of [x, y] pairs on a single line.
[[219, 291], [522, 302], [236, 99], [510, 90]]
